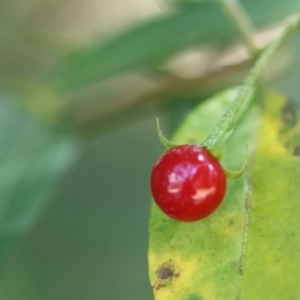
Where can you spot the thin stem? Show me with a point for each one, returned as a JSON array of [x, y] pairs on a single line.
[[242, 21], [293, 25], [225, 127]]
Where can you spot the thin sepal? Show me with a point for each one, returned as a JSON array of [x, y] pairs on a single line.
[[238, 173], [168, 145]]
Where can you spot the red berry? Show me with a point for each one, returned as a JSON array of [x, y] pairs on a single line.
[[188, 183]]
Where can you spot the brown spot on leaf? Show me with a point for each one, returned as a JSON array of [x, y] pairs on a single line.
[[159, 286], [167, 270], [289, 113], [296, 151], [164, 273]]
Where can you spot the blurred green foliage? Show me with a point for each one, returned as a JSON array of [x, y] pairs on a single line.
[[147, 45], [91, 242], [33, 158]]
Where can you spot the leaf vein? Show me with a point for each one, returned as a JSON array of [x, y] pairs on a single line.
[[245, 229]]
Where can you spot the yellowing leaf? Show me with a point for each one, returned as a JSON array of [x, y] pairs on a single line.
[[272, 250], [248, 248]]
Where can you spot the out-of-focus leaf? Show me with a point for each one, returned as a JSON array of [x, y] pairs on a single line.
[[249, 248], [262, 12], [144, 45], [149, 43], [32, 160], [287, 80]]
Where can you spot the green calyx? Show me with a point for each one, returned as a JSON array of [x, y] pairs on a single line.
[[168, 144], [238, 173]]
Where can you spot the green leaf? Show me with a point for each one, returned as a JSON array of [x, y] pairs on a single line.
[[147, 44], [272, 247], [32, 160], [262, 12], [248, 248], [144, 45]]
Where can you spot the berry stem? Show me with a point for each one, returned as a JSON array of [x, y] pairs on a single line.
[[223, 130]]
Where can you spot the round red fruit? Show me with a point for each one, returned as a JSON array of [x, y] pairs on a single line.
[[188, 183]]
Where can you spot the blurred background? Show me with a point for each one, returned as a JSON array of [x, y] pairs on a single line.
[[81, 83]]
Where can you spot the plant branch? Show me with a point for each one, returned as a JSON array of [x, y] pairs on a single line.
[[243, 23], [225, 127]]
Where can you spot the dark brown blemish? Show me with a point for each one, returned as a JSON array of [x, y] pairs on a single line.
[[164, 273], [296, 151], [289, 113], [160, 286]]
